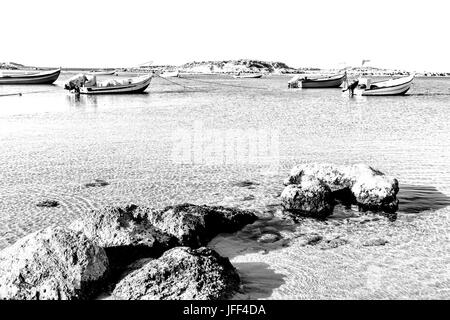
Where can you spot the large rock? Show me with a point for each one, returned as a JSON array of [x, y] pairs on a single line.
[[125, 233], [360, 184], [311, 197], [181, 273], [54, 263], [336, 177], [195, 226]]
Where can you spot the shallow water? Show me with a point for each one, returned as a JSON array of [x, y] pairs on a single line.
[[193, 142]]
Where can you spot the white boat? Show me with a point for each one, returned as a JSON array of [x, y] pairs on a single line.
[[82, 84], [391, 87], [170, 74], [247, 76], [102, 72], [135, 85]]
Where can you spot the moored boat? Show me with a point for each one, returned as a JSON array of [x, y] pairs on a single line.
[[391, 87], [170, 74], [248, 76], [333, 81], [84, 85], [29, 76], [102, 72]]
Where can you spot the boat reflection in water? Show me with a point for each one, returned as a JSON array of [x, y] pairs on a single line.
[[78, 100]]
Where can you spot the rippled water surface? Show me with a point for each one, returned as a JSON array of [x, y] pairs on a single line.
[[196, 139]]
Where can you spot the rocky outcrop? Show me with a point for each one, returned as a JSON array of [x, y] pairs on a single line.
[[125, 233], [194, 226], [310, 197], [130, 245], [370, 189], [54, 263], [232, 66], [181, 273]]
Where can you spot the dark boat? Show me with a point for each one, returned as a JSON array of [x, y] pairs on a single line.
[[334, 81], [28, 77]]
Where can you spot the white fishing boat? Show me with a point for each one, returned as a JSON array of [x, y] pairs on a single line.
[[102, 72], [84, 85], [28, 76], [391, 87], [170, 74]]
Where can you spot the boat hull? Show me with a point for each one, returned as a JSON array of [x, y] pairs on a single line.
[[102, 73], [37, 78], [250, 76], [138, 87], [170, 75], [396, 90], [332, 82]]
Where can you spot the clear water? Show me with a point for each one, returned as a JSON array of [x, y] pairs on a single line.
[[193, 142]]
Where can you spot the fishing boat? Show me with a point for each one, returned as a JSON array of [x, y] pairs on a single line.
[[170, 74], [28, 76], [248, 76], [84, 85], [102, 72], [333, 81], [391, 87]]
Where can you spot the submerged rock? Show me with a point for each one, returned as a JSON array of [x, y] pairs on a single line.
[[48, 203], [125, 233], [181, 273], [248, 198], [374, 242], [333, 243], [310, 197], [96, 183], [244, 184], [54, 263], [359, 184], [194, 226], [269, 237]]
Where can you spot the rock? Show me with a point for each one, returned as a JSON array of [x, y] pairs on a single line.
[[359, 184], [125, 233], [54, 263], [96, 183], [269, 237], [181, 273], [194, 226], [48, 203], [310, 197], [376, 193], [245, 183], [313, 239], [333, 243], [248, 198], [334, 176], [374, 242]]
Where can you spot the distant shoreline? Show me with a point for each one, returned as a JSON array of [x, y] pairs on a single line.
[[231, 67]]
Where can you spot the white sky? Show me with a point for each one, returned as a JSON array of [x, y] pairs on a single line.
[[406, 34]]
